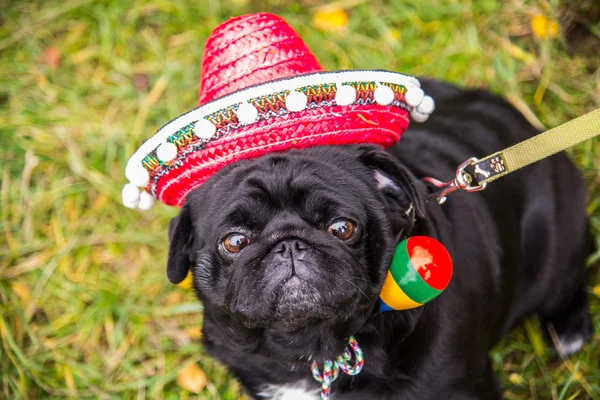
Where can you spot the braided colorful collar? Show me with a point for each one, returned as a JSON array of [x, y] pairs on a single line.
[[331, 369]]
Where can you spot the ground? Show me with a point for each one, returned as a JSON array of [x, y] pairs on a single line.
[[85, 306]]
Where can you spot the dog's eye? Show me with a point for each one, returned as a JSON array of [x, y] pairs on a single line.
[[235, 242], [341, 229]]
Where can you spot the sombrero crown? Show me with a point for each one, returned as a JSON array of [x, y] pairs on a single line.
[[262, 91]]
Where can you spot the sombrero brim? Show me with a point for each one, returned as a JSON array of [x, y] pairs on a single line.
[[323, 108]]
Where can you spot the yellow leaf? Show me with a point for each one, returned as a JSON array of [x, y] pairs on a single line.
[[596, 290], [516, 379], [194, 332], [393, 35], [543, 27], [69, 381], [173, 298], [192, 378], [187, 283], [331, 20], [21, 290]]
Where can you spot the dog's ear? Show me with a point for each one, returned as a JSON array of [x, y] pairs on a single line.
[[397, 184], [181, 236]]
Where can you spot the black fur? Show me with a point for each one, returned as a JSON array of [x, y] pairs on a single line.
[[518, 248]]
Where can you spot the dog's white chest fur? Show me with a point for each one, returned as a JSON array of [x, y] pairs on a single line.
[[289, 392]]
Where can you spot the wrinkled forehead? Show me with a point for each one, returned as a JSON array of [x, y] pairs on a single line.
[[316, 191]]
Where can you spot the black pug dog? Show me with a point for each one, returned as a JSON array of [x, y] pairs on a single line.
[[289, 253]]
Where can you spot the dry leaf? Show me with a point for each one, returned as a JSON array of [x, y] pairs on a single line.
[[52, 56], [21, 290], [173, 298], [543, 27], [192, 378], [331, 20], [187, 283], [142, 82], [69, 381], [194, 332]]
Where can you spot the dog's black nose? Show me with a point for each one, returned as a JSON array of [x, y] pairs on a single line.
[[290, 252], [290, 246]]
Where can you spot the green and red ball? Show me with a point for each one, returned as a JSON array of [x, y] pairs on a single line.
[[421, 269]]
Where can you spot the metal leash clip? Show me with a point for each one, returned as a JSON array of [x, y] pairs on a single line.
[[462, 180]]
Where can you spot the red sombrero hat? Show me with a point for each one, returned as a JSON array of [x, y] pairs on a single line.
[[262, 91]]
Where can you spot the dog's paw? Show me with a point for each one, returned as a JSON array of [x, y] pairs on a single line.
[[570, 343], [572, 328]]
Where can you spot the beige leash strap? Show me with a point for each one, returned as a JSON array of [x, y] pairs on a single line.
[[501, 163]]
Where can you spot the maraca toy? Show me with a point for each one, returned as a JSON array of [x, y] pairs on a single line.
[[421, 269]]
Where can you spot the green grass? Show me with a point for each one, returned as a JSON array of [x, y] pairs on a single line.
[[85, 307]]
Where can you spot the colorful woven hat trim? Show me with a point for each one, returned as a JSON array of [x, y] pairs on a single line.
[[368, 106]]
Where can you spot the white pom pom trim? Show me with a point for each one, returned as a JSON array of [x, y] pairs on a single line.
[[427, 105], [384, 95], [137, 175], [146, 201], [247, 113], [204, 129], [414, 96], [345, 95], [166, 151], [130, 195], [296, 101], [417, 116]]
